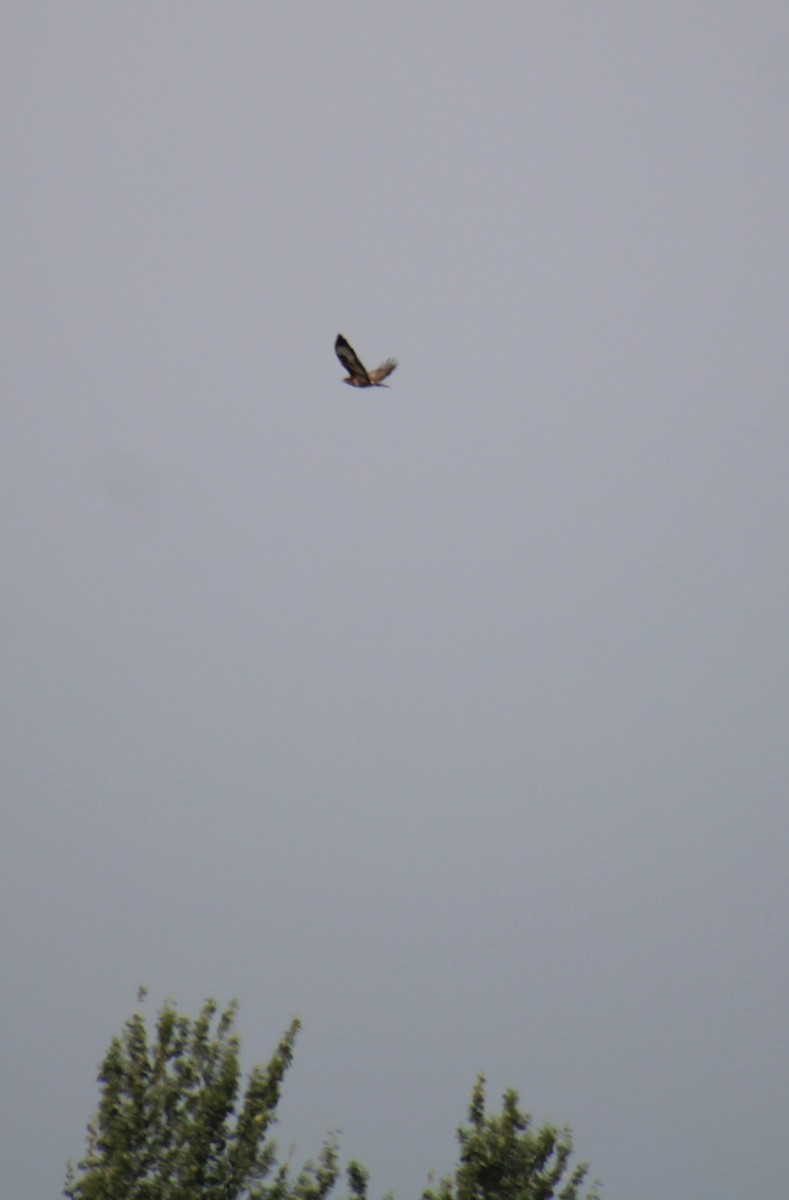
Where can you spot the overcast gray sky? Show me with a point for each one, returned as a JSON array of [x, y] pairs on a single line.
[[452, 717]]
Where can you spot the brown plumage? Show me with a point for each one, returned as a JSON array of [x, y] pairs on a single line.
[[358, 375]]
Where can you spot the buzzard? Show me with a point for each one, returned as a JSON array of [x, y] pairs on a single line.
[[358, 375]]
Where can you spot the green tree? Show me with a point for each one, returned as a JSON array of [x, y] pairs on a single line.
[[502, 1158], [171, 1123]]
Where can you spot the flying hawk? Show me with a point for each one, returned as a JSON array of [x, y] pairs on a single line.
[[358, 375]]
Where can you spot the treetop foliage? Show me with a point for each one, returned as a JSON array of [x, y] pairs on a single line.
[[502, 1158], [174, 1123]]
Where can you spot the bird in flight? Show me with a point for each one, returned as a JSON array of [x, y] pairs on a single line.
[[358, 375]]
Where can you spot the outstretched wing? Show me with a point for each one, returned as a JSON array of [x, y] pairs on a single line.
[[350, 359], [381, 372]]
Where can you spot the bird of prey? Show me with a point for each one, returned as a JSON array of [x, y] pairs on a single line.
[[358, 375]]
